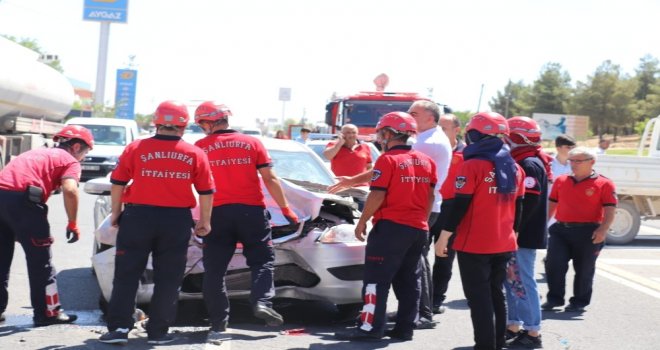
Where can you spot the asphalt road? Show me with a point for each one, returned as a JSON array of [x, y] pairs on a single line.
[[624, 313]]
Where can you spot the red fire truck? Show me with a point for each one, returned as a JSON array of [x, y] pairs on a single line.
[[365, 109]]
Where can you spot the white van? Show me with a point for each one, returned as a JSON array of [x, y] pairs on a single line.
[[110, 137]]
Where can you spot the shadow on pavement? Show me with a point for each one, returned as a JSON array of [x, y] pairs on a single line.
[[459, 304], [11, 330], [78, 289], [561, 315], [138, 342], [307, 313]]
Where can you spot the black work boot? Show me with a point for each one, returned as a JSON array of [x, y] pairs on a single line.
[[357, 335], [268, 314], [62, 318]]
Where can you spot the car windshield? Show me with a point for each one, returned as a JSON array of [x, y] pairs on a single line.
[[108, 135], [318, 149], [367, 113], [300, 166]]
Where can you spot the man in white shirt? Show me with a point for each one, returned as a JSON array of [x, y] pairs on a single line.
[[603, 145], [432, 141], [560, 164], [304, 136]]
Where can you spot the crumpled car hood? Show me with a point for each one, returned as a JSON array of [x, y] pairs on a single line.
[[305, 203]]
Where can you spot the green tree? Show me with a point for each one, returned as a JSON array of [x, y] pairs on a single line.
[[144, 120], [100, 111], [514, 100], [647, 95], [651, 105], [552, 91], [606, 97], [463, 117], [647, 76], [34, 46]]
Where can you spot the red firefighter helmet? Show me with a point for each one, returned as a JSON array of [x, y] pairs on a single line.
[[524, 130], [488, 123], [400, 122], [171, 113], [70, 132], [211, 111]]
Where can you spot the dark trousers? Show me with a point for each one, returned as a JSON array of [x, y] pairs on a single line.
[[426, 276], [482, 276], [231, 224], [442, 266], [391, 259], [27, 223], [164, 233], [575, 244]]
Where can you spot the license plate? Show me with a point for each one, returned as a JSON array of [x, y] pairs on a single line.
[[91, 167]]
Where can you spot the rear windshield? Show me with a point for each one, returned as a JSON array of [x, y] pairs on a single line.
[[367, 113]]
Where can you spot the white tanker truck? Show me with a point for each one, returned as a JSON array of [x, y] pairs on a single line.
[[34, 99]]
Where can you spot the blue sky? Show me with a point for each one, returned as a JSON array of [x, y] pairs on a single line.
[[242, 52]]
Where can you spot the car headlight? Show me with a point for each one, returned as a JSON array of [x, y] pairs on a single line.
[[343, 233]]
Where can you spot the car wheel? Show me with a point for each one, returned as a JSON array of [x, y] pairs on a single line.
[[626, 224]]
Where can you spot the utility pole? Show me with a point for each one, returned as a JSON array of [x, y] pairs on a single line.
[[480, 95], [102, 64], [284, 96], [104, 12]]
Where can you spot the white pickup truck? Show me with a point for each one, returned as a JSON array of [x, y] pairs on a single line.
[[637, 181]]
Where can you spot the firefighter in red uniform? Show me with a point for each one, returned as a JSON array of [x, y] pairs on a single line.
[[400, 202], [584, 204], [239, 215], [442, 266], [486, 211], [25, 186], [156, 220]]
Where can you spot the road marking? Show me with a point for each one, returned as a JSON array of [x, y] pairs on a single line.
[[650, 229], [646, 262], [627, 283], [634, 281]]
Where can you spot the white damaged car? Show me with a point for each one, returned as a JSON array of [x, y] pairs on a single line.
[[319, 259]]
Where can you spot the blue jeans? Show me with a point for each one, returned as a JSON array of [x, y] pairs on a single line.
[[522, 294]]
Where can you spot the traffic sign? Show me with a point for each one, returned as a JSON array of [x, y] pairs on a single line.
[[125, 93], [285, 94], [106, 11]]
